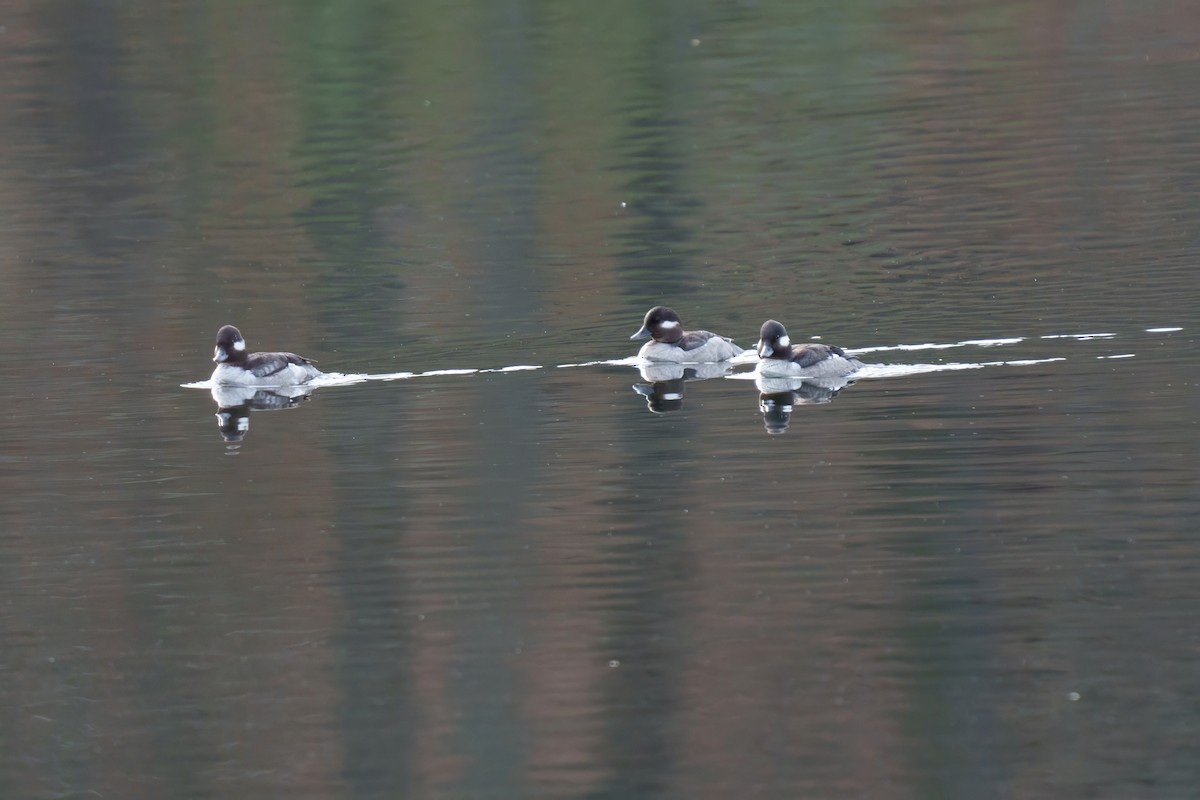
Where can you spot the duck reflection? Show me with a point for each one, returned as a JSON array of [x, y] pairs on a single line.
[[778, 396], [234, 404], [664, 392]]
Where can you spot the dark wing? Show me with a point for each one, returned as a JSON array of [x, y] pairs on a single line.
[[264, 365], [809, 355], [693, 339]]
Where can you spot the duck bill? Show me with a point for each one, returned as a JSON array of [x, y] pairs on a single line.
[[219, 354], [641, 334], [764, 350]]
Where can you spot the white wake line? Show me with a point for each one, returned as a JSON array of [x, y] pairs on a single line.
[[933, 346], [897, 370], [1079, 337], [340, 379], [747, 357], [631, 361], [750, 357], [873, 371], [867, 372]]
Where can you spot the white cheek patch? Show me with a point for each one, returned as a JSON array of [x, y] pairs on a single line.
[[243, 424], [239, 345], [668, 325], [672, 396], [785, 341]]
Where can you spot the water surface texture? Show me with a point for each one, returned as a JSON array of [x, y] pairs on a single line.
[[972, 573]]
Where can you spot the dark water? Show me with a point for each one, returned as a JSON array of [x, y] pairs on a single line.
[[966, 583]]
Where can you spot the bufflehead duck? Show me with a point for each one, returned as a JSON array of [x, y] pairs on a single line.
[[672, 343], [236, 367], [780, 359]]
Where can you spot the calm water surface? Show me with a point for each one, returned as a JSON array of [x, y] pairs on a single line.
[[936, 583]]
